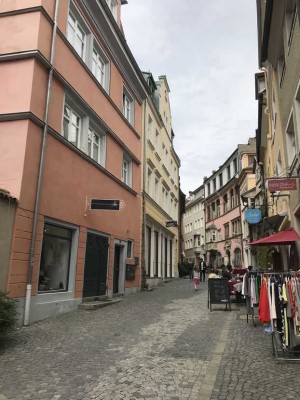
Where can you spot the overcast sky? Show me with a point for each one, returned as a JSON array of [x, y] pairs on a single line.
[[208, 51]]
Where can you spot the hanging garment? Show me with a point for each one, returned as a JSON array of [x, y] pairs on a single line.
[[264, 310]]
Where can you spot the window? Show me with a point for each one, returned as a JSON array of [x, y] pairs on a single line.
[[225, 199], [228, 173], [156, 189], [226, 229], [127, 170], [129, 248], [128, 108], [149, 133], [220, 180], [291, 140], [149, 182], [76, 34], [208, 189], [290, 19], [237, 262], [100, 67], [156, 139], [55, 259], [281, 66], [214, 184], [72, 125], [79, 129], [213, 235], [235, 169], [250, 161], [93, 145]]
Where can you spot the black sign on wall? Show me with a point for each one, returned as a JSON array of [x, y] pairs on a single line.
[[218, 292], [170, 224], [105, 204]]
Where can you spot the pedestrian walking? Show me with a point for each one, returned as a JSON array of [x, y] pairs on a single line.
[[202, 270], [191, 270], [196, 277]]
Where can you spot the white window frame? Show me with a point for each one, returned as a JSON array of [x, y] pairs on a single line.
[[128, 106], [101, 145], [101, 58], [79, 127], [127, 169], [79, 25]]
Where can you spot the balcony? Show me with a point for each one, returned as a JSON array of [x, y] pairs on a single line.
[[211, 246]]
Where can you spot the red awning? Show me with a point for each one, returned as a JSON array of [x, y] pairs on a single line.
[[289, 236]]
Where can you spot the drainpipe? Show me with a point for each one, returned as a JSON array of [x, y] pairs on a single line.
[[40, 174], [143, 261]]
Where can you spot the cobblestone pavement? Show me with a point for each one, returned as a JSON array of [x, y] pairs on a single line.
[[163, 344]]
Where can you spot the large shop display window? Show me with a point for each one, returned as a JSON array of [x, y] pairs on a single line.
[[55, 259]]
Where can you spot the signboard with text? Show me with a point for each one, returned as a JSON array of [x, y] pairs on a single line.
[[280, 184], [171, 224], [253, 215], [106, 204]]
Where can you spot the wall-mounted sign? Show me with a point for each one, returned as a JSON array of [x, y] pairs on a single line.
[[252, 215], [170, 224], [277, 185], [105, 204]]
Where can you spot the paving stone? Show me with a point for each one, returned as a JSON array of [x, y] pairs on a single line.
[[163, 344]]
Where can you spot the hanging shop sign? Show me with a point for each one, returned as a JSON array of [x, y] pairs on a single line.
[[277, 185], [253, 215], [171, 224]]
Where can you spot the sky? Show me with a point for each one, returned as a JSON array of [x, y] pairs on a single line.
[[208, 51]]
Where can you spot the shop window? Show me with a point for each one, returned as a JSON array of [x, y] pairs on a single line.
[[55, 259]]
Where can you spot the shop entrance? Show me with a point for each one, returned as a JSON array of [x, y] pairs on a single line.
[[116, 269], [95, 268]]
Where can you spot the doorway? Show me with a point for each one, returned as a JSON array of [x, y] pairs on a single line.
[[95, 267], [116, 278]]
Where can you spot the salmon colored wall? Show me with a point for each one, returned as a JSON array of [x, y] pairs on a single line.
[[116, 86], [13, 139], [20, 32], [9, 5], [16, 83], [56, 106], [45, 37], [31, 166], [39, 91]]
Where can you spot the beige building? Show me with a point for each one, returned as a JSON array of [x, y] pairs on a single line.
[[278, 94], [193, 226], [161, 185]]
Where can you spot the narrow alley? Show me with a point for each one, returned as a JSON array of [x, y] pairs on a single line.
[[163, 344]]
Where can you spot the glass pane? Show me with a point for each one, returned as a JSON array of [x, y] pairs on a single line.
[[95, 152], [73, 131], [65, 128], [55, 259]]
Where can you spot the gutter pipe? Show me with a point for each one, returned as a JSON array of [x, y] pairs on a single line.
[[41, 171]]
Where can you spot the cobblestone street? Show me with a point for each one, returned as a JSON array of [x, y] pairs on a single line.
[[164, 344]]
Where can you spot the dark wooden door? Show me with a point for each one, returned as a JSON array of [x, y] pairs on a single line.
[[116, 269], [95, 269]]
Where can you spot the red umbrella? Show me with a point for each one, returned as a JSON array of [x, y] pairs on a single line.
[[288, 236]]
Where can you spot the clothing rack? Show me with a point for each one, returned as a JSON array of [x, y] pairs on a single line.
[[285, 342]]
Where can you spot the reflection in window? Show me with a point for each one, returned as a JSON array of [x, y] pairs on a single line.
[[55, 259]]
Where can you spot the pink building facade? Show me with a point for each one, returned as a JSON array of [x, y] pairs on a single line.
[[222, 215], [71, 110]]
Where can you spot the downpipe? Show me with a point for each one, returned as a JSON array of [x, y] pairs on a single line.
[[40, 174]]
